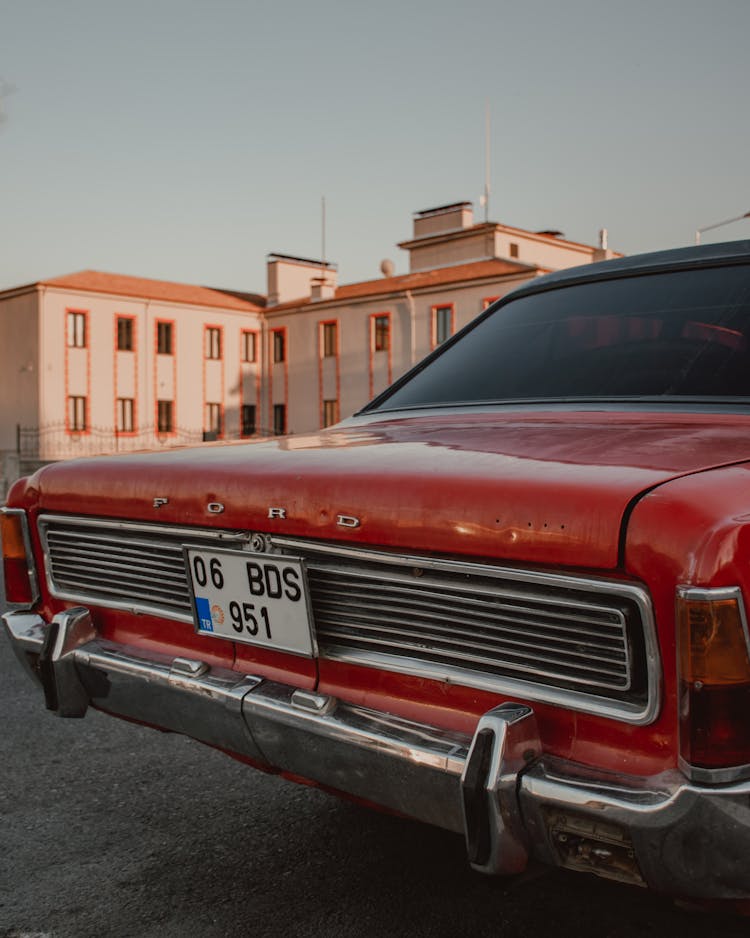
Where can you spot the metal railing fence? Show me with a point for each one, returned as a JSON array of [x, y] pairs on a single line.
[[57, 441]]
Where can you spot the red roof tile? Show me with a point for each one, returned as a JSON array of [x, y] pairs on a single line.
[[440, 276], [96, 281]]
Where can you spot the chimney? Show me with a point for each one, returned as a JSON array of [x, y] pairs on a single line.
[[294, 278], [323, 287], [433, 221]]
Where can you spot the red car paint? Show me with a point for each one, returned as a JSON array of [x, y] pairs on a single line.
[[552, 489], [570, 477]]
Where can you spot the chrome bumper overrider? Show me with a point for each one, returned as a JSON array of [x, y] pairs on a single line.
[[510, 800]]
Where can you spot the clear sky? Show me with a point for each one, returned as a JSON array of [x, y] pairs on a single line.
[[186, 139]]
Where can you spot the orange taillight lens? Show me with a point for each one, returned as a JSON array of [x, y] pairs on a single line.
[[714, 676], [17, 562]]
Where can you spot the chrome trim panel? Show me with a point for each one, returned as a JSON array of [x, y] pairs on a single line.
[[208, 534], [30, 563], [583, 703], [478, 626], [540, 663], [66, 563], [581, 699]]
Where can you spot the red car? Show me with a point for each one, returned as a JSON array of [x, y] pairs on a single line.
[[507, 598]]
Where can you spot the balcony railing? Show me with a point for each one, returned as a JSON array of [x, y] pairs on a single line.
[[54, 442]]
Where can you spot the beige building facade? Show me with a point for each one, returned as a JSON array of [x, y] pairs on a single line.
[[95, 363], [342, 345]]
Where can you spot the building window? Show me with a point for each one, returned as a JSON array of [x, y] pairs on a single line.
[[77, 330], [279, 419], [77, 413], [213, 342], [513, 249], [248, 419], [125, 415], [213, 419], [442, 323], [279, 345], [164, 338], [330, 412], [488, 301], [330, 343], [124, 334], [249, 347], [165, 416], [382, 334]]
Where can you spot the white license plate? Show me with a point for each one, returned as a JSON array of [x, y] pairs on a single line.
[[259, 599]]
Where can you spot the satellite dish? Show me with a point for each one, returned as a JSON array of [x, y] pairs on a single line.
[[386, 267]]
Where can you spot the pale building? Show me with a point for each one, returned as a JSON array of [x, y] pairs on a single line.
[[332, 348], [95, 362]]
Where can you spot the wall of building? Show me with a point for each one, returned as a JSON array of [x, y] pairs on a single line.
[[19, 364], [313, 363], [359, 370], [477, 245], [101, 374], [545, 251]]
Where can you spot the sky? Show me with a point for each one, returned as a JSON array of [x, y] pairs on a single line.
[[186, 139]]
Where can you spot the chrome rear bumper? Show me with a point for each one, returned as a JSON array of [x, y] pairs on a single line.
[[509, 799]]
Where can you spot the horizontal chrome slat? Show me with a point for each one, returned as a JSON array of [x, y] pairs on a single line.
[[129, 581], [77, 541], [545, 629], [133, 571], [474, 621], [354, 594], [489, 649], [115, 552], [482, 626], [496, 645], [131, 586], [119, 565], [354, 580], [435, 653], [125, 574]]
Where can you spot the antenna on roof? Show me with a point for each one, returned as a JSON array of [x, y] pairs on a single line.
[[323, 234], [484, 199]]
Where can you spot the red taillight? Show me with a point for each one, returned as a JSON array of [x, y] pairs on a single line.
[[714, 675], [17, 562]]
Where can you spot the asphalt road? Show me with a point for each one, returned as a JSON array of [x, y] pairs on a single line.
[[110, 829]]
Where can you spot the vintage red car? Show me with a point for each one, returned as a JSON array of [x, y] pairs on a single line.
[[507, 598]]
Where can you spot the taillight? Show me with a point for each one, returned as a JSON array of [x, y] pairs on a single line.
[[714, 675], [18, 566]]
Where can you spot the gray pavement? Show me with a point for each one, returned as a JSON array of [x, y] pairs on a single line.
[[111, 829]]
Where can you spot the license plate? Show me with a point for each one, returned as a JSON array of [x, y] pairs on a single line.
[[258, 599]]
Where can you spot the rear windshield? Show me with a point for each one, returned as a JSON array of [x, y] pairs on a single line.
[[683, 334]]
